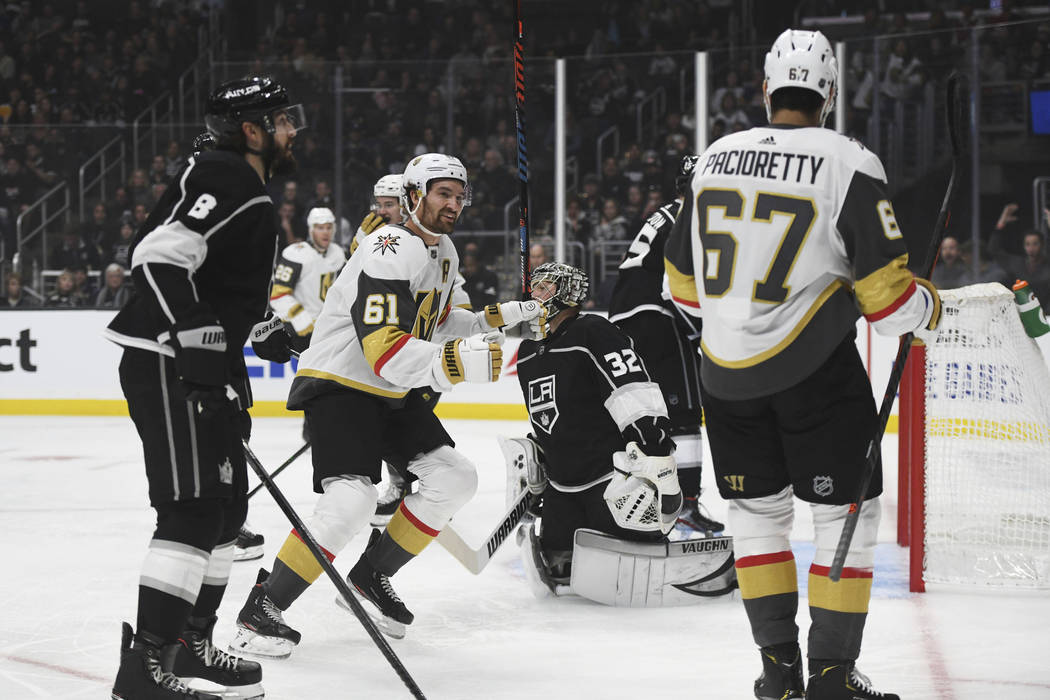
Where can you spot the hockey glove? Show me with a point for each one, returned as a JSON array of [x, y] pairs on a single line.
[[927, 330], [511, 313], [271, 341], [373, 221], [644, 493], [200, 357], [478, 358]]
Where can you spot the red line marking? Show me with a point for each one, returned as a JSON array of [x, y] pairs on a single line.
[[60, 669]]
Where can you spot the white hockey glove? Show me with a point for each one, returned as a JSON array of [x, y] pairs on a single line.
[[511, 313], [927, 330], [644, 493], [478, 358]]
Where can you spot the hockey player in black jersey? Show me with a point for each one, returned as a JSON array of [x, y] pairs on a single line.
[[201, 266], [590, 399], [669, 343]]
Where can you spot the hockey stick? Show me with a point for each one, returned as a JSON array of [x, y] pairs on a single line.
[[523, 158], [871, 458], [287, 463], [341, 585], [475, 560]]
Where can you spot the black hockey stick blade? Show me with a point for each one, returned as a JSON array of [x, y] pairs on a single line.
[[476, 559], [340, 583], [871, 458], [287, 463]]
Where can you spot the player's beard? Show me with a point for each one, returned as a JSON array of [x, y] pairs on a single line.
[[436, 222], [284, 162]]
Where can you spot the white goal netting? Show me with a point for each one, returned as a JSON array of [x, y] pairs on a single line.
[[987, 446]]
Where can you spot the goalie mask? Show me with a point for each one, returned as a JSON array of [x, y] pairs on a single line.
[[804, 59], [558, 287]]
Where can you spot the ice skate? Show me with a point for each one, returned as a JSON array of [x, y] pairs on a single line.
[[781, 677], [141, 675], [377, 596], [197, 658], [388, 503], [261, 630], [840, 680], [694, 522], [248, 546]]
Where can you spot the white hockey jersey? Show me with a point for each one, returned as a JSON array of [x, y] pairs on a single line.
[[301, 281], [787, 231], [379, 329]]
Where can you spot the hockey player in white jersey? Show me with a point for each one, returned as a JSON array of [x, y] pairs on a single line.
[[386, 208], [304, 273], [787, 236], [387, 327]]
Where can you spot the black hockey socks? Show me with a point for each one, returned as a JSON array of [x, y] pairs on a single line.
[[405, 537], [769, 587]]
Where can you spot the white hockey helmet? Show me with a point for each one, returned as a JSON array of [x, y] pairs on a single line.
[[320, 215], [388, 186], [805, 59], [424, 169]]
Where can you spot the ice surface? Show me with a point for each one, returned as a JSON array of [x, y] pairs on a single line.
[[75, 527]]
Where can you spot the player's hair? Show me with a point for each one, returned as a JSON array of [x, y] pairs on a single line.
[[797, 99]]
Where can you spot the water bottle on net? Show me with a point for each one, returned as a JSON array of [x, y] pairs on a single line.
[[1031, 312]]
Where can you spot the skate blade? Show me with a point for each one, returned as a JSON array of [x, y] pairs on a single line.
[[387, 625], [247, 553], [249, 643], [253, 691]]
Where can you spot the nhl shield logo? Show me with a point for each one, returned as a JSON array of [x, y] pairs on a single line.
[[542, 407], [823, 485], [226, 472]]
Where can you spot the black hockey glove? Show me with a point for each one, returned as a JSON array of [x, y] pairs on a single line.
[[244, 425], [200, 358], [271, 340]]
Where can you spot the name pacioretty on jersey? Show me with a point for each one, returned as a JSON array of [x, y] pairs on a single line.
[[772, 165]]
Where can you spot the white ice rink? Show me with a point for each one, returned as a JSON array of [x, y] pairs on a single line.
[[75, 527]]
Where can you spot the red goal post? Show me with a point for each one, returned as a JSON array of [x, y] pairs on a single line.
[[974, 449]]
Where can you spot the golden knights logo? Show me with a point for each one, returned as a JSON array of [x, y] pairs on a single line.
[[385, 242], [542, 407]]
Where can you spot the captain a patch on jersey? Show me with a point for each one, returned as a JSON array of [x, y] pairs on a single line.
[[543, 407]]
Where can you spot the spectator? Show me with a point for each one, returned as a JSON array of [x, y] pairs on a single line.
[[480, 283], [537, 255], [577, 226], [1031, 265], [17, 188], [290, 195], [158, 169], [292, 225], [952, 271], [173, 160], [322, 196], [73, 251], [16, 297], [612, 226], [39, 168], [83, 286], [120, 251], [139, 214], [138, 186], [614, 184], [729, 112], [63, 297], [590, 199], [99, 232], [632, 209], [904, 73], [115, 292], [495, 186]]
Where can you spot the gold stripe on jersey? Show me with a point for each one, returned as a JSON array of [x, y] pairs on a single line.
[[468, 307], [294, 311], [788, 339], [279, 290], [884, 287], [379, 343], [359, 386], [683, 286]]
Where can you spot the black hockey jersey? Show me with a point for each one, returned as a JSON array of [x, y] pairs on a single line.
[[588, 395], [211, 240], [640, 284]]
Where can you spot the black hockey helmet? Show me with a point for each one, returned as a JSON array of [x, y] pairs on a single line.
[[570, 285], [685, 175], [256, 99]]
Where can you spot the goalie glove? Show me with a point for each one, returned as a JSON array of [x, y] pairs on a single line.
[[644, 493], [270, 340], [478, 358], [511, 313]]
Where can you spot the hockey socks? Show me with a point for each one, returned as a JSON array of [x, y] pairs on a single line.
[[168, 587], [405, 537], [293, 572], [838, 611], [769, 587]]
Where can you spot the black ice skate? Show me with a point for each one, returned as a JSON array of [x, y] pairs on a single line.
[[377, 596], [390, 500], [840, 680], [693, 521], [781, 677], [248, 546], [141, 675], [198, 658], [261, 630]]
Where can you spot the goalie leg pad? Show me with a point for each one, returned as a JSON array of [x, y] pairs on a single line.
[[620, 573], [447, 481], [525, 467]]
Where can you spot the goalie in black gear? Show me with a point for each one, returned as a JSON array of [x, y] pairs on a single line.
[[668, 341], [590, 398], [201, 265]]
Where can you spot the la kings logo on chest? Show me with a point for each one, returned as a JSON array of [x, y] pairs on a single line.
[[543, 408]]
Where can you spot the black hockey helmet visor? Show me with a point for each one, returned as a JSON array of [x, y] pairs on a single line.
[[260, 100]]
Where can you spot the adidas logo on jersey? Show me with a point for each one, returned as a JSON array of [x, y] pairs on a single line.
[[768, 141]]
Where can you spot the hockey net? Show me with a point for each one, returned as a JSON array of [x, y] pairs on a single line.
[[974, 490]]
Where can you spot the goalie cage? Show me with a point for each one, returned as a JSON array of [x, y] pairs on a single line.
[[974, 449]]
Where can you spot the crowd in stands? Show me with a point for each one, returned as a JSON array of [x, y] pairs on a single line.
[[412, 65]]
